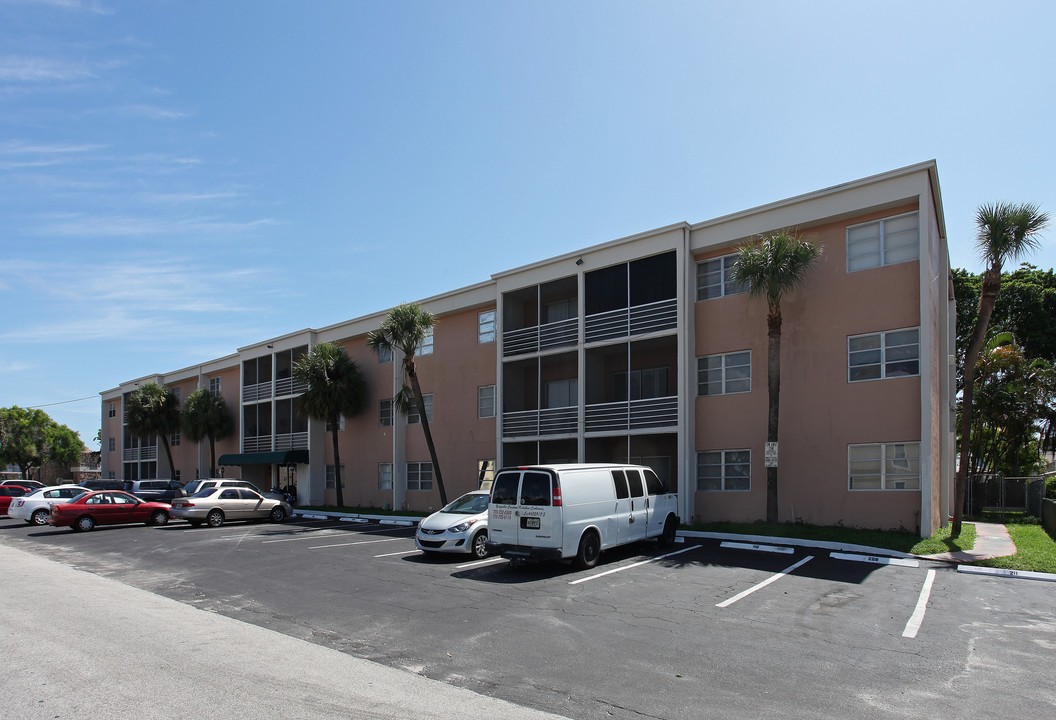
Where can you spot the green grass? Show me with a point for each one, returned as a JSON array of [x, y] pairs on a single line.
[[900, 540], [941, 541], [1035, 550]]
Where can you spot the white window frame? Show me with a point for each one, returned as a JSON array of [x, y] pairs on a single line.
[[724, 381], [385, 476], [413, 418], [426, 348], [215, 385], [726, 461], [174, 439], [385, 413], [340, 424], [486, 326], [883, 251], [486, 397], [111, 445], [384, 355], [885, 351], [884, 461], [726, 284], [111, 410], [415, 472], [331, 477]]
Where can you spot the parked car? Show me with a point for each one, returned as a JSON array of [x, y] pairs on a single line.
[[459, 527], [196, 486], [35, 506], [103, 484], [215, 505], [158, 490], [7, 492], [107, 507], [28, 484]]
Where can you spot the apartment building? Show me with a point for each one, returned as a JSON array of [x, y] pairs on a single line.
[[642, 349]]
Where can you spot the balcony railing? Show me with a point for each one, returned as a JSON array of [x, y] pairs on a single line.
[[292, 441], [256, 393], [548, 421], [632, 415], [278, 443], [637, 320], [289, 386], [541, 337], [145, 452], [259, 443]]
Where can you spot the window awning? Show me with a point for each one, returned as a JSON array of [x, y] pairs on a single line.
[[286, 457]]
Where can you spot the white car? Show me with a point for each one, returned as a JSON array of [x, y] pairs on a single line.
[[34, 507], [460, 527]]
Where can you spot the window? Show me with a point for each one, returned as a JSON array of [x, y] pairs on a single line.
[[413, 418], [562, 393], [486, 326], [340, 424], [111, 410], [420, 476], [176, 391], [883, 242], [485, 471], [331, 477], [111, 444], [176, 475], [715, 278], [884, 466], [384, 476], [426, 348], [385, 413], [559, 310], [174, 439], [895, 353], [725, 374], [384, 355], [214, 386], [724, 470], [645, 384], [486, 401]]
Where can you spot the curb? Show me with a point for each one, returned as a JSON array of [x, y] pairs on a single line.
[[358, 517], [772, 540]]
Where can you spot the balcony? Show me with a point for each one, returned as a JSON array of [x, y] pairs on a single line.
[[256, 393], [147, 452], [292, 441], [637, 320], [541, 337], [534, 423], [278, 443], [632, 415], [289, 386]]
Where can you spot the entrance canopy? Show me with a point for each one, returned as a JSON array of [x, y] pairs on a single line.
[[286, 457]]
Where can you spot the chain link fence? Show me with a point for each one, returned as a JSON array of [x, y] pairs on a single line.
[[993, 492]]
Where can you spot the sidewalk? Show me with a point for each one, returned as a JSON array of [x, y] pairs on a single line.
[[991, 540], [78, 646]]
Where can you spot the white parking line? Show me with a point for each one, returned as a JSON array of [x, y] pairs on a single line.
[[478, 563], [917, 618], [404, 552], [358, 542], [764, 583], [634, 565], [309, 535]]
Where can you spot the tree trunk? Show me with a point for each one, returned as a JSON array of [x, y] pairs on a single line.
[[419, 400], [212, 456], [987, 299], [168, 454], [773, 388], [337, 463]]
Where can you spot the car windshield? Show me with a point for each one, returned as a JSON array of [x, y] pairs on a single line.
[[468, 505]]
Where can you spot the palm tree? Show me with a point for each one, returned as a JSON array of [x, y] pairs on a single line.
[[405, 329], [153, 409], [336, 388], [1004, 231], [772, 266], [205, 415]]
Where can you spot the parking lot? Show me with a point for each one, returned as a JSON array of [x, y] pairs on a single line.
[[698, 630]]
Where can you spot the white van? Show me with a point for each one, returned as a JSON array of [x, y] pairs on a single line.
[[552, 512]]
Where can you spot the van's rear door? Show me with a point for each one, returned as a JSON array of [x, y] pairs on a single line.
[[538, 519], [505, 494]]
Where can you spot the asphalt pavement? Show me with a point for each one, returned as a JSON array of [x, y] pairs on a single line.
[[79, 646]]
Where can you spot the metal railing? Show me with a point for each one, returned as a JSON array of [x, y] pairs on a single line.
[[533, 423], [256, 393], [632, 415], [540, 337], [637, 320]]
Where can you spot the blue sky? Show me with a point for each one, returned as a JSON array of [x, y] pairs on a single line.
[[179, 179]]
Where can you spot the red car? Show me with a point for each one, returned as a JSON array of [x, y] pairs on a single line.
[[6, 493], [107, 507]]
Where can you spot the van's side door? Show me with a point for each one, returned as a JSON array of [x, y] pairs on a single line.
[[639, 505], [622, 511], [661, 503]]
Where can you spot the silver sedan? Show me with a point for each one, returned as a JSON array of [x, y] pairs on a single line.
[[219, 504]]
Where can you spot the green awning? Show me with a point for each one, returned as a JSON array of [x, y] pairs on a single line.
[[287, 457]]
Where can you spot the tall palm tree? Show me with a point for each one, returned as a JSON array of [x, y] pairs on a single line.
[[1004, 231], [405, 329], [336, 388], [771, 267], [205, 415], [153, 409]]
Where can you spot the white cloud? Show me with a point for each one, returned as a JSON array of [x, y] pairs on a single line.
[[85, 226], [16, 68]]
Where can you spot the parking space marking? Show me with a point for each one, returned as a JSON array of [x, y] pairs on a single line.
[[308, 534], [764, 583], [478, 563], [358, 542], [402, 552], [917, 618], [633, 565]]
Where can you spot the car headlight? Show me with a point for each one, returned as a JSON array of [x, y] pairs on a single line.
[[462, 527]]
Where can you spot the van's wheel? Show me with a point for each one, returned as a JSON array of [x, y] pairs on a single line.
[[667, 538], [589, 551], [480, 549]]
